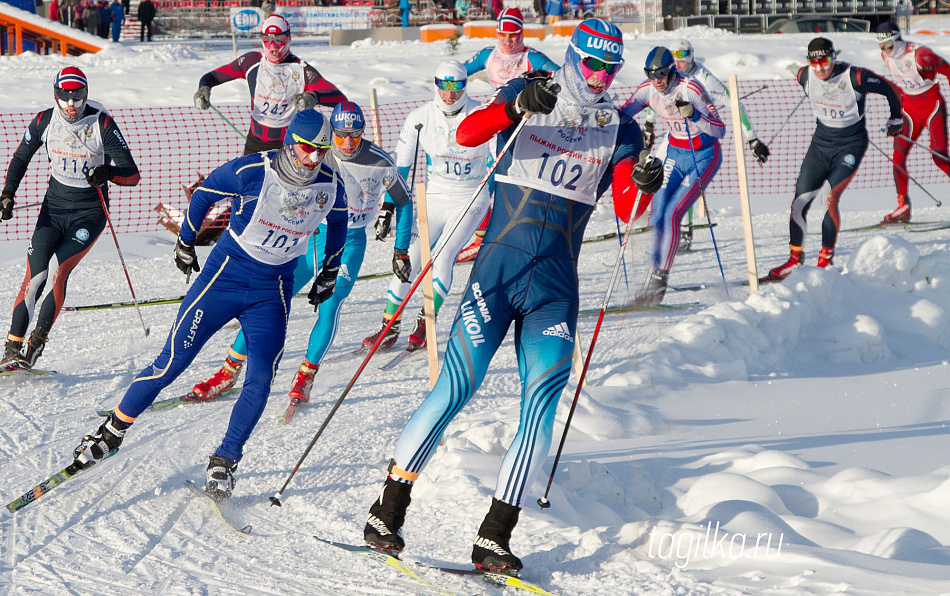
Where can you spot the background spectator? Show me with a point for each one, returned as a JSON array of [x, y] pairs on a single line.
[[54, 11], [496, 7], [90, 18], [118, 17], [77, 15], [105, 18], [146, 14]]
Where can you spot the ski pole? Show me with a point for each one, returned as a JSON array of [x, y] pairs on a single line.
[[122, 259], [231, 124], [907, 138], [543, 502], [27, 206], [762, 88], [626, 282], [702, 192], [275, 500], [909, 177], [781, 128]]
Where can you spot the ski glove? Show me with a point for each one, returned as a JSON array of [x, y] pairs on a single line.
[[648, 173], [6, 205], [304, 101], [895, 126], [203, 98], [539, 97], [686, 108], [97, 176], [323, 287], [186, 258], [648, 135], [401, 266], [760, 150], [384, 221]]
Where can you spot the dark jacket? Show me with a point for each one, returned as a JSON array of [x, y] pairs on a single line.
[[146, 11]]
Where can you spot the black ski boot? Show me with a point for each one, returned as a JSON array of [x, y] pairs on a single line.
[[219, 478], [95, 448], [417, 339], [11, 355], [388, 340], [34, 348], [654, 289], [490, 550], [384, 523]]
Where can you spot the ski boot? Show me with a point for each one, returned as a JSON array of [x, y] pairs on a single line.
[[391, 336], [655, 287], [383, 528], [901, 214], [417, 339], [795, 260], [220, 381], [34, 348], [219, 478], [11, 354], [686, 238], [95, 448], [490, 550], [826, 257], [303, 382], [469, 252]]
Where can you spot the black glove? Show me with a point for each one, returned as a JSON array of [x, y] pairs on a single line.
[[760, 150], [686, 108], [401, 266], [648, 173], [97, 176], [304, 101], [895, 126], [6, 205], [323, 286], [539, 97], [648, 135], [203, 98], [186, 258], [384, 221]]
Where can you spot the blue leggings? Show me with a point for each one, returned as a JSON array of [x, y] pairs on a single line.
[[324, 330], [258, 296], [679, 191]]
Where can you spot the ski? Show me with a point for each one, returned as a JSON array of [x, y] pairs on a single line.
[[497, 579], [173, 402], [353, 354], [625, 308], [202, 495], [291, 410], [918, 227], [129, 304], [386, 559], [49, 484], [31, 372], [706, 286], [906, 224], [397, 360]]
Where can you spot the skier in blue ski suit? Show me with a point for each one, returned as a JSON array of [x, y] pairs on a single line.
[[278, 199], [575, 144]]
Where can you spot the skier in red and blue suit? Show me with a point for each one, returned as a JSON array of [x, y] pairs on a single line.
[[575, 144], [278, 199]]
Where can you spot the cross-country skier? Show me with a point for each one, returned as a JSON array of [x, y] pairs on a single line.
[[82, 142], [510, 59], [281, 84], [914, 68], [693, 157], [575, 144], [838, 92], [368, 173], [278, 199], [453, 173], [684, 58]]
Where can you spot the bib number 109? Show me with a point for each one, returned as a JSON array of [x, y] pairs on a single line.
[[558, 171]]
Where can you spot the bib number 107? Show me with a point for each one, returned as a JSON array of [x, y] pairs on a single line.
[[558, 171]]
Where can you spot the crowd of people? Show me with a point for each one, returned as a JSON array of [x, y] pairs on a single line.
[[551, 140], [99, 17]]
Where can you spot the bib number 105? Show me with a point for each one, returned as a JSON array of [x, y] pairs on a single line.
[[558, 171]]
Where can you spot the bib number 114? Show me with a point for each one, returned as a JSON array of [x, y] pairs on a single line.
[[558, 171]]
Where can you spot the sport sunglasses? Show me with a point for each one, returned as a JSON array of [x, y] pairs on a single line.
[[886, 45], [659, 73], [447, 85], [308, 147], [820, 62], [596, 64], [275, 38], [353, 134], [680, 54], [73, 94]]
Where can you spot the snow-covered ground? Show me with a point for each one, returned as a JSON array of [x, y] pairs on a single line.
[[790, 442]]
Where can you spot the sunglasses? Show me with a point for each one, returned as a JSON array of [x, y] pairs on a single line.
[[680, 54], [886, 45], [308, 147], [659, 73], [820, 62], [73, 94], [340, 136], [447, 85], [595, 65], [279, 38]]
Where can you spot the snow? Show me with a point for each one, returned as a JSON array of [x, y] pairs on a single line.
[[789, 442]]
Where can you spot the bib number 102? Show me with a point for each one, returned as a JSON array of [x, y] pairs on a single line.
[[558, 171]]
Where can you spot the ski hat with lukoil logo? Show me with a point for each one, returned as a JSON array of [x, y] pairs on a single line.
[[599, 39]]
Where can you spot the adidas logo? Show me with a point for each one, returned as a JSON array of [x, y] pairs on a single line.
[[560, 330], [490, 545], [378, 525]]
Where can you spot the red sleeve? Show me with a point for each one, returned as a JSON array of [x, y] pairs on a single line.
[[627, 198], [326, 92], [930, 64], [481, 125]]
